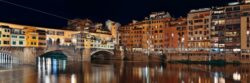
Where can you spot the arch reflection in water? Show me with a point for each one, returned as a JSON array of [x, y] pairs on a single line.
[[49, 69], [6, 58], [219, 78]]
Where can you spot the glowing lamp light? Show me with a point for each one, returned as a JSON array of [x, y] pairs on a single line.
[[182, 39], [73, 78], [236, 76]]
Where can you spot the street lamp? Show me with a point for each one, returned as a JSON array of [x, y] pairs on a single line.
[[148, 47], [182, 43], [172, 35]]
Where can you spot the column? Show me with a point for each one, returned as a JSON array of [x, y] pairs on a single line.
[[1, 58]]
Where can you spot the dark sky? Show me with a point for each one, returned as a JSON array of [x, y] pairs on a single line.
[[122, 11]]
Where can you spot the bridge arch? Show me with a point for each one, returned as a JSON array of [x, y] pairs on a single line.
[[7, 58], [101, 55], [70, 53], [57, 54]]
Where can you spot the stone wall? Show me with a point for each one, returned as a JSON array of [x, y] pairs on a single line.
[[139, 56]]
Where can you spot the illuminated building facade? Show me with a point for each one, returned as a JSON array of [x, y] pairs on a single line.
[[15, 35], [180, 24], [17, 38], [217, 29], [246, 1], [245, 30], [231, 37], [128, 33], [147, 35], [5, 35], [93, 40], [199, 24], [59, 37], [41, 38], [31, 37], [171, 36]]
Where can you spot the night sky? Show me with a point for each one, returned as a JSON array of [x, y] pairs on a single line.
[[122, 11]]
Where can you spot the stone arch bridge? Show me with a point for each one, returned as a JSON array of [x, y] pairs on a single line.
[[28, 55]]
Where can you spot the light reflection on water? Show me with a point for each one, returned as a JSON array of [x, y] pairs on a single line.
[[61, 71], [49, 69]]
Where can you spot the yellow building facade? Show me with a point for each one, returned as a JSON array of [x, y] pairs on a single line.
[[4, 36], [31, 37]]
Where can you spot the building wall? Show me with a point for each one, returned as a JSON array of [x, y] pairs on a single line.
[[161, 30], [217, 29], [146, 35], [132, 35], [5, 35], [63, 37], [171, 37], [245, 35], [17, 38], [180, 25], [42, 43], [232, 29], [245, 31], [31, 37], [199, 29]]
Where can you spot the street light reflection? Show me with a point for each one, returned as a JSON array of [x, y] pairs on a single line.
[[73, 78], [236, 76], [48, 69]]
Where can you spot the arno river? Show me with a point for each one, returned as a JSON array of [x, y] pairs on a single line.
[[61, 71]]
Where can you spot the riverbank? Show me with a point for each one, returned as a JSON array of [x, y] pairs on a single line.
[[212, 62], [187, 58]]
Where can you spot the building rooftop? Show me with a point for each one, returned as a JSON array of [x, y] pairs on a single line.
[[159, 15], [200, 10]]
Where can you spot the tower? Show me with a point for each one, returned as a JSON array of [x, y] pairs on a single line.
[[246, 1]]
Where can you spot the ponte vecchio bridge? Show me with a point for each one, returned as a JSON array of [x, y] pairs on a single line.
[[24, 44]]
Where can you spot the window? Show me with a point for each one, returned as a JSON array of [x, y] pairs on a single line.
[[236, 8], [60, 33], [198, 26], [6, 30], [21, 37], [14, 42], [196, 32], [20, 42], [13, 36], [156, 31], [197, 21], [161, 31], [33, 37], [41, 38], [6, 42], [229, 9]]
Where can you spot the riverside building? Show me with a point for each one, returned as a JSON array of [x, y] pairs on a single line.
[[148, 35], [199, 24], [14, 35]]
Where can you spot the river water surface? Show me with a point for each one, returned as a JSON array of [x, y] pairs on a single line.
[[62, 71]]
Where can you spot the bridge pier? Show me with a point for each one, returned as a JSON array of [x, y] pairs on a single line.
[[86, 54], [29, 56]]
